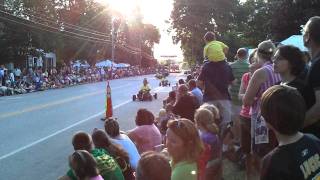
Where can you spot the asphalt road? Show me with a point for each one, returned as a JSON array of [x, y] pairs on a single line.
[[37, 128]]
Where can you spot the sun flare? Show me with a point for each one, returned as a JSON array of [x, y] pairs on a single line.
[[154, 12], [125, 7]]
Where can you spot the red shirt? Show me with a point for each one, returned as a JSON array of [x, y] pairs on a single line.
[[245, 110]]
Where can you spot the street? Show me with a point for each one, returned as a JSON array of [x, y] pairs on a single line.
[[37, 128]]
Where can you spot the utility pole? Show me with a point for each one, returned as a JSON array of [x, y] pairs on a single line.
[[112, 41], [114, 28], [140, 49]]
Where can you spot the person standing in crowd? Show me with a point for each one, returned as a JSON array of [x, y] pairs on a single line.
[[214, 79], [214, 51], [111, 127], [245, 116], [195, 90], [17, 73], [153, 165], [184, 147], [239, 67], [146, 135], [297, 155], [186, 103], [11, 78], [263, 139], [289, 62], [311, 39], [2, 80], [84, 165]]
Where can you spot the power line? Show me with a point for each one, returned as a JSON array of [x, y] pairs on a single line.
[[60, 33], [51, 27], [71, 26], [129, 49]]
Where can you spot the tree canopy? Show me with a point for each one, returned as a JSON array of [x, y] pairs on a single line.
[[237, 24], [73, 29]]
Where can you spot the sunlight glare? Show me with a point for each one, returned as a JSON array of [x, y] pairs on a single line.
[[154, 12], [125, 7]]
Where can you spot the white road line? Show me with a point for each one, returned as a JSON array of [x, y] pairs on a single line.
[[55, 103], [12, 98], [58, 132]]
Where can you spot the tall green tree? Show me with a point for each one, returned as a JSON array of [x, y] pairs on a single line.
[[73, 29], [190, 20], [287, 16]]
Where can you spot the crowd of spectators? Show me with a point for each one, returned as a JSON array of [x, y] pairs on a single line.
[[262, 109], [19, 81]]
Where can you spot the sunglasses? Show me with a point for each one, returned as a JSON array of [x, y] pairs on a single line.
[[178, 124]]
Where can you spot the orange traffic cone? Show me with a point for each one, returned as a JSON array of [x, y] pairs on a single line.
[[109, 109]]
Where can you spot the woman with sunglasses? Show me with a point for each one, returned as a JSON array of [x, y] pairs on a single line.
[[263, 78], [184, 147]]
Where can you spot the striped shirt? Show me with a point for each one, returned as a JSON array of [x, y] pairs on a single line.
[[272, 79], [239, 67]]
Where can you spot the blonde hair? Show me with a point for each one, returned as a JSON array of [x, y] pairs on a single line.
[[205, 119], [187, 132], [162, 113], [213, 109]]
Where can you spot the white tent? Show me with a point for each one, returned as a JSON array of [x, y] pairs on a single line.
[[295, 40], [79, 64], [121, 65], [105, 63]]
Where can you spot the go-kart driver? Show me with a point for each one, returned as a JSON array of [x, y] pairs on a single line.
[[144, 93], [145, 87], [163, 79]]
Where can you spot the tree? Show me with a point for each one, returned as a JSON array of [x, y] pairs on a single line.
[[237, 24], [190, 20], [73, 29], [287, 16]]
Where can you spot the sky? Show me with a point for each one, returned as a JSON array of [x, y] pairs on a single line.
[[155, 12]]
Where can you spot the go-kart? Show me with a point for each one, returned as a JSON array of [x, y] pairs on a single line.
[[161, 75], [164, 83], [144, 96], [158, 76]]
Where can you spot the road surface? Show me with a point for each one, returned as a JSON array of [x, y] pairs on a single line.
[[37, 128]]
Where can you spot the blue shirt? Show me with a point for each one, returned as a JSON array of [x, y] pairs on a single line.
[[198, 94], [1, 72], [129, 146]]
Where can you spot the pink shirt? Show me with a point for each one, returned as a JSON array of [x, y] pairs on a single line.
[[145, 137], [245, 110]]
